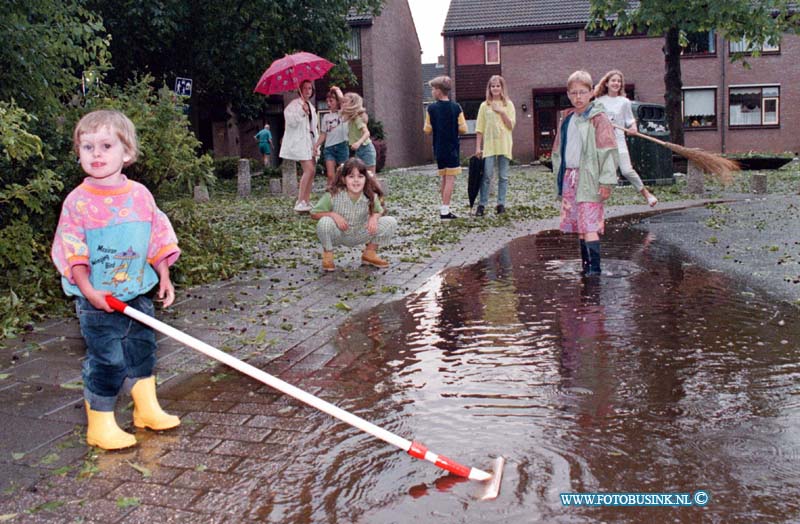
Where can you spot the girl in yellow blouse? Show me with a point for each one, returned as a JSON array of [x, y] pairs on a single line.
[[496, 119]]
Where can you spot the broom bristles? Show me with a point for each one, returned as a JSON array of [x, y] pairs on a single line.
[[721, 167]]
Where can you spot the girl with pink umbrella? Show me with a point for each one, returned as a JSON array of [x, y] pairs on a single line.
[[299, 141]]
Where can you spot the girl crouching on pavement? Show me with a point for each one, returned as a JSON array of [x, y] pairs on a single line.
[[350, 214]]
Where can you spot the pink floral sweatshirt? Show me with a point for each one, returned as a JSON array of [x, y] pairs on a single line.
[[119, 233]]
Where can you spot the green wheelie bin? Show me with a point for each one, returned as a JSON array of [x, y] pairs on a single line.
[[652, 161]]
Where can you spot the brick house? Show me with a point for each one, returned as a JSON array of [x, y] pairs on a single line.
[[536, 45], [385, 58]]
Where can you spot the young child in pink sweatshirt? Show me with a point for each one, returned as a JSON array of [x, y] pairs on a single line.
[[113, 240]]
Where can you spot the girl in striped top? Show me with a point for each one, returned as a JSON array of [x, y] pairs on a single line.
[[350, 214]]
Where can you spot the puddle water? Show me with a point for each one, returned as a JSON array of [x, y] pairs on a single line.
[[660, 377]]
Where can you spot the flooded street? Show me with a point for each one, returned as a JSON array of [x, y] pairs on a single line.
[[660, 377]]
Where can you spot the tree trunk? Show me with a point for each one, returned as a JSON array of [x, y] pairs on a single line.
[[673, 84]]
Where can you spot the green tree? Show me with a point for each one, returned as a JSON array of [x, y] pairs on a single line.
[[47, 46], [758, 22], [223, 46]]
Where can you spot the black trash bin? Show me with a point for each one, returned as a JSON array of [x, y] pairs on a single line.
[[652, 161]]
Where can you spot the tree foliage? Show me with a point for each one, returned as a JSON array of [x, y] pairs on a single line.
[[47, 45], [758, 22], [50, 49], [169, 160], [223, 46]]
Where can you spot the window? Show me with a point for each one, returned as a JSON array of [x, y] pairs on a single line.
[[754, 106], [699, 108], [539, 37], [469, 50], [470, 108], [743, 46], [354, 44], [598, 34], [492, 51], [700, 44]]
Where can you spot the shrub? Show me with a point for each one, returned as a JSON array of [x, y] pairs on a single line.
[[169, 160], [375, 127], [37, 169]]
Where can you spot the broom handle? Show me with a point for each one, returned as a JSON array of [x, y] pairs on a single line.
[[640, 135], [415, 449]]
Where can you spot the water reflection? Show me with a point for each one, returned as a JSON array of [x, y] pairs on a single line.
[[660, 377]]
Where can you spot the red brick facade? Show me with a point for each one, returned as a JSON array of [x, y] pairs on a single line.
[[535, 69], [392, 82]]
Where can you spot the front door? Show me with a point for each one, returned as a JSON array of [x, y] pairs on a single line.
[[546, 107]]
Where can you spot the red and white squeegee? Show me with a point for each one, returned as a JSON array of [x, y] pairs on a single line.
[[415, 449]]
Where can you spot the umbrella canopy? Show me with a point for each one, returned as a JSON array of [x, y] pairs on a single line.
[[287, 73], [475, 178]]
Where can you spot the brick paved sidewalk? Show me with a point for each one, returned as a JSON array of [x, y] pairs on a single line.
[[282, 321]]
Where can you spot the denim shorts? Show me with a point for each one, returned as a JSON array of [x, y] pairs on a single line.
[[367, 154], [339, 153], [117, 347]]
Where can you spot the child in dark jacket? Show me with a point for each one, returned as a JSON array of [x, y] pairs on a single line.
[[444, 119]]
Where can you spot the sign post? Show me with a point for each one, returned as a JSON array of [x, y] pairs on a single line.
[[183, 86]]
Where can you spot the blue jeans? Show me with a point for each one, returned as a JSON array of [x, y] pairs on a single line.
[[339, 153], [118, 348], [367, 154], [502, 179]]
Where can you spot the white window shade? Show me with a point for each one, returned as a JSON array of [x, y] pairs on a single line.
[[698, 102]]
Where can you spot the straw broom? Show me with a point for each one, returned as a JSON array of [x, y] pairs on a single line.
[[720, 167]]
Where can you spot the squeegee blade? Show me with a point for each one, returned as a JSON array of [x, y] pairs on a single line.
[[492, 488]]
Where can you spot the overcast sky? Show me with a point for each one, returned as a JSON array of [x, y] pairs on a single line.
[[429, 18]]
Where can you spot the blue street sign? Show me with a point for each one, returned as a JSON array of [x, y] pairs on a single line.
[[183, 86]]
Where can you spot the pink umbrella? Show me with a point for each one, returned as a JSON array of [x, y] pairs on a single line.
[[287, 73]]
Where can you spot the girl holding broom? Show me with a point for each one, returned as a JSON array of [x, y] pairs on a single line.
[[610, 92]]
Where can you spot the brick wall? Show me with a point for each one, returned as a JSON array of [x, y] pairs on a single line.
[[547, 66], [392, 71]]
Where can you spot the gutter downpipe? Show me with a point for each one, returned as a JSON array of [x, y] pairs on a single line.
[[722, 122]]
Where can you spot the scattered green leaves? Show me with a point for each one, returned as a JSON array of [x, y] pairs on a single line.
[[220, 376], [50, 458], [146, 473], [47, 506], [128, 502]]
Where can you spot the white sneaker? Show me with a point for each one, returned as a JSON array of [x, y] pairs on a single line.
[[302, 207]]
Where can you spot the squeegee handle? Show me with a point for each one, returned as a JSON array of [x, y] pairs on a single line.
[[412, 448]]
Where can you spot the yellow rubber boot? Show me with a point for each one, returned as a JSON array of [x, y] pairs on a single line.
[[147, 413], [103, 431]]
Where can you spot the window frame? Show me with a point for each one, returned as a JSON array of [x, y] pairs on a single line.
[[765, 49], [685, 53], [354, 44], [777, 100], [762, 112], [486, 45], [686, 127]]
